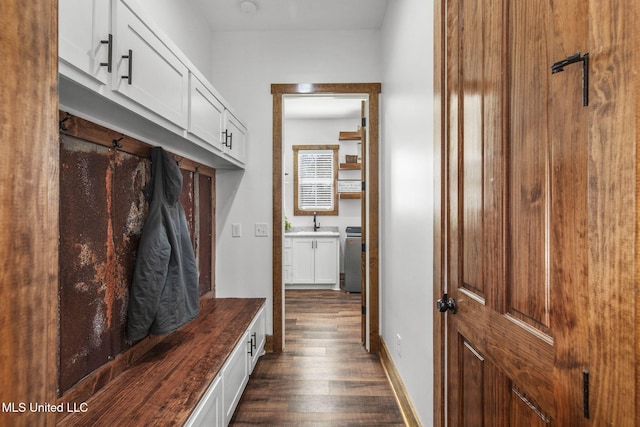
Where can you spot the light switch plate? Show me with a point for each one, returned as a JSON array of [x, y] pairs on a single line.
[[262, 229], [236, 230]]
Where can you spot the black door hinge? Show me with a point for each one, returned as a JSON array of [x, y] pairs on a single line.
[[585, 393], [364, 310], [364, 186], [364, 122], [364, 247]]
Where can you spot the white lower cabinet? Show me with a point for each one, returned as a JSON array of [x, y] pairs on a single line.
[[209, 411], [257, 338], [219, 402], [315, 261], [235, 375], [287, 261]]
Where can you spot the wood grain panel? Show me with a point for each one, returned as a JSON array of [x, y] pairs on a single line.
[[525, 413], [452, 251], [472, 144], [614, 151], [472, 387], [28, 208], [529, 165]]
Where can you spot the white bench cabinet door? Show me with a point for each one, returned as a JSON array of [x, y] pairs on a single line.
[[209, 411], [153, 76], [83, 25], [235, 375], [257, 338], [206, 114]]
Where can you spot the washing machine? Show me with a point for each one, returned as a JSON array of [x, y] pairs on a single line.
[[352, 259]]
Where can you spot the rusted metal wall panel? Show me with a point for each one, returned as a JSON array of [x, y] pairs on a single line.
[[186, 199], [129, 209], [85, 176], [205, 217], [102, 213]]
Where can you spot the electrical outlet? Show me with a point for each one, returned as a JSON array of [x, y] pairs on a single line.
[[399, 344], [236, 230], [262, 229]]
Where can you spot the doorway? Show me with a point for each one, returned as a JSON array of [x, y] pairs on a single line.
[[370, 303]]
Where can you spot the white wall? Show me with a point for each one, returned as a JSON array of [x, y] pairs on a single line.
[[185, 27], [244, 67], [407, 196]]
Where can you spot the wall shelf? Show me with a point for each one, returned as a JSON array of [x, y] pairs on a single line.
[[349, 136], [350, 195], [351, 166]]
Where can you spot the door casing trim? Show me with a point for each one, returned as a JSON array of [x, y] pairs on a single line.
[[372, 90]]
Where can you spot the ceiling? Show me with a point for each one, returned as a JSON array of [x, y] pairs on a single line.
[[296, 15], [279, 15]]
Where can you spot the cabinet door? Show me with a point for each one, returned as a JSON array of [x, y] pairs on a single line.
[[205, 113], [209, 411], [237, 132], [153, 77], [303, 260], [287, 261], [257, 338], [326, 261], [83, 25], [235, 375]]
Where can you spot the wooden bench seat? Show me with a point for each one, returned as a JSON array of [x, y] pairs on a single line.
[[164, 385]]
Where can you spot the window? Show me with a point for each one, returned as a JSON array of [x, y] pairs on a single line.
[[315, 176]]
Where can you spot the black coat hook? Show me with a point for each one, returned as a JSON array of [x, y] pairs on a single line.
[[61, 124], [116, 142], [558, 67]]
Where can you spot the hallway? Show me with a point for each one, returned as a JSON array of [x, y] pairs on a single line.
[[324, 377]]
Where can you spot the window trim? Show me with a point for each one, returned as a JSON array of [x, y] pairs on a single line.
[[300, 212]]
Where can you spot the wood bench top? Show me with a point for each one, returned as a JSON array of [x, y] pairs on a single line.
[[164, 386]]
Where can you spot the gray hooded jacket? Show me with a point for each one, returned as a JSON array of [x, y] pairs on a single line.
[[164, 293]]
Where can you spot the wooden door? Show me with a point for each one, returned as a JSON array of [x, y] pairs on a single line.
[[521, 227], [363, 221]]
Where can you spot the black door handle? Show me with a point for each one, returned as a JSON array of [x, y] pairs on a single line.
[[445, 303]]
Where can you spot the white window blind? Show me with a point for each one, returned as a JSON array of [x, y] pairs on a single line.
[[315, 180]]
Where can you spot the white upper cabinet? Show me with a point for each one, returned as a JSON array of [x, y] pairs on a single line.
[[129, 65], [206, 114], [146, 70], [84, 29], [235, 137]]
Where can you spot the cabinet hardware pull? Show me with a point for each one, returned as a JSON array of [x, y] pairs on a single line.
[[109, 43], [228, 139], [130, 57], [250, 352], [254, 340]]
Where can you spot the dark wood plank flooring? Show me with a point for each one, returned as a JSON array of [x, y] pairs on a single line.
[[325, 377]]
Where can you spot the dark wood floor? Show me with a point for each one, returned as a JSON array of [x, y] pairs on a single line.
[[324, 377]]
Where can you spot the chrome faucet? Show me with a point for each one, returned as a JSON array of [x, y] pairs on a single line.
[[316, 225]]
